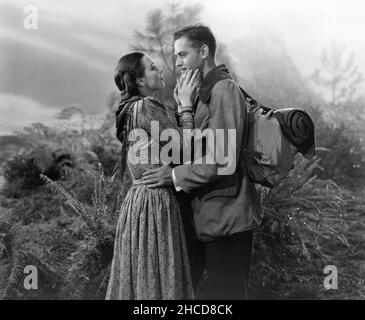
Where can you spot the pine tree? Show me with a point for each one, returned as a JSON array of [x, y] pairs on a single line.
[[338, 78]]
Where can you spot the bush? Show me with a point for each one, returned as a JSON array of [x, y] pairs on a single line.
[[72, 252], [56, 151], [293, 241], [345, 161], [22, 171]]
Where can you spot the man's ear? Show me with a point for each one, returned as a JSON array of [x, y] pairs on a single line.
[[140, 82], [204, 51]]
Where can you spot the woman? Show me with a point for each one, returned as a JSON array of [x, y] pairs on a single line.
[[150, 257]]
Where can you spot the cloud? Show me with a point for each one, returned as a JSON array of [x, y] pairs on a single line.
[[95, 33], [88, 30], [83, 38], [19, 111], [39, 43]]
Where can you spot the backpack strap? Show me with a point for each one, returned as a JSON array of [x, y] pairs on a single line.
[[254, 105]]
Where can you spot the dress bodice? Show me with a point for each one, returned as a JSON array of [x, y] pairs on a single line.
[[149, 118]]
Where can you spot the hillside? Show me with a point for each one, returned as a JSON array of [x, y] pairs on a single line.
[[266, 70]]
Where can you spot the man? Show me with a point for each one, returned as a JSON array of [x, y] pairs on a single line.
[[225, 206]]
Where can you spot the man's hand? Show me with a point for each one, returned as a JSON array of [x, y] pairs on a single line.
[[158, 177]]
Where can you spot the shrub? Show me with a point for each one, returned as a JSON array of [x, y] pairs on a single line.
[[345, 161], [294, 239]]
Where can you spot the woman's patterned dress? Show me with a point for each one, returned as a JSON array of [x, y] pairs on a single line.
[[150, 256]]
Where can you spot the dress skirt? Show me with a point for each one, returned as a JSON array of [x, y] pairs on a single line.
[[150, 258]]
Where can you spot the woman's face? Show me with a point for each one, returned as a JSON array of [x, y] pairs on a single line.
[[152, 78]]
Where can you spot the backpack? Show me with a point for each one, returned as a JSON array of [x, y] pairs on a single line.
[[269, 155]]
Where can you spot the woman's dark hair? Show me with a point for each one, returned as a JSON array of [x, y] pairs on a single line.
[[128, 69], [198, 34]]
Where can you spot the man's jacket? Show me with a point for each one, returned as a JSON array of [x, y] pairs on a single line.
[[222, 204]]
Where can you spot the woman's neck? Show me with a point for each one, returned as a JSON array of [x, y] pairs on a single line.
[[146, 92]]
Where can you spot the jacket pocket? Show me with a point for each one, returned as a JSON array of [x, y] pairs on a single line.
[[226, 192]]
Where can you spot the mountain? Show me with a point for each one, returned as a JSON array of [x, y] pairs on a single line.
[[267, 72]]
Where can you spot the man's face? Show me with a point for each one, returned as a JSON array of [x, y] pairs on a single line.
[[187, 56]]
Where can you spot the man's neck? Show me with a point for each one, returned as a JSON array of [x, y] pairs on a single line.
[[208, 66]]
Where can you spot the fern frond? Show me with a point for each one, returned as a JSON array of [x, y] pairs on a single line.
[[104, 283], [76, 205], [9, 240], [83, 211], [16, 275], [81, 285]]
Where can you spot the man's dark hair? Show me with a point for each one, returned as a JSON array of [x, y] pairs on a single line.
[[198, 34]]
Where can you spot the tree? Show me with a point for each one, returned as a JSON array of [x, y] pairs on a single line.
[[157, 40], [338, 78]]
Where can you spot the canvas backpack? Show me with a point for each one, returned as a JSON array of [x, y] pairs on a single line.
[[268, 156]]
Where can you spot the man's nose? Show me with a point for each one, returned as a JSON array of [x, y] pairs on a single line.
[[178, 62]]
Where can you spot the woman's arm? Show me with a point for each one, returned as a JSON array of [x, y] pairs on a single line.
[[159, 124]]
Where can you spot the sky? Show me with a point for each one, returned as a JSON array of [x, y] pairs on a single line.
[[69, 59]]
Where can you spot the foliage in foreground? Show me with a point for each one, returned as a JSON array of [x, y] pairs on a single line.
[[303, 230], [308, 225]]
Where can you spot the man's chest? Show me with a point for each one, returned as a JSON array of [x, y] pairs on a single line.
[[202, 116]]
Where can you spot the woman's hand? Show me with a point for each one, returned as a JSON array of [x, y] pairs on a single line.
[[187, 86]]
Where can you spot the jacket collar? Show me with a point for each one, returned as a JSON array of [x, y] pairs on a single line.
[[211, 78]]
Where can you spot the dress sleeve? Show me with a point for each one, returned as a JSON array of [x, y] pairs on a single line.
[[161, 126]]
